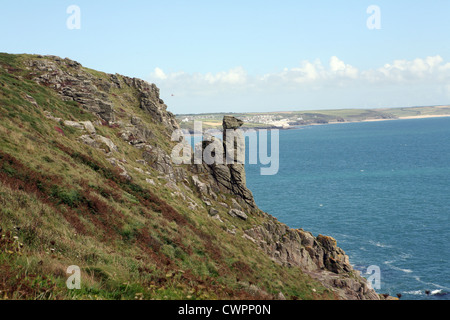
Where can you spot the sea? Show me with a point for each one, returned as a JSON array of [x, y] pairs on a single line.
[[381, 189]]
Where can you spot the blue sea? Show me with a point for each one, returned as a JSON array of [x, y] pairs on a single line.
[[381, 189]]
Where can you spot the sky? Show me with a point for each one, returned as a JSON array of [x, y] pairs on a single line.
[[250, 56]]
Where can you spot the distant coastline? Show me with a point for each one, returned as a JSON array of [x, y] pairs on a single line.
[[399, 118], [287, 120], [410, 117]]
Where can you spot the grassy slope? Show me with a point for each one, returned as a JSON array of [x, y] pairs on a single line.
[[62, 204]]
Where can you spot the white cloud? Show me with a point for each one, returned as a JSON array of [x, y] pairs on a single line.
[[400, 71], [401, 82], [338, 67], [313, 72], [159, 74], [234, 76]]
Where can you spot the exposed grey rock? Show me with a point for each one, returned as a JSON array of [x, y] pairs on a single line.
[[172, 185], [89, 127], [48, 115], [99, 142], [159, 160], [137, 134], [135, 120], [207, 202], [31, 100], [115, 80], [152, 103], [237, 213], [318, 256], [87, 139], [193, 206], [217, 217], [235, 204], [141, 161], [118, 164], [73, 124], [77, 85], [246, 236], [108, 142], [200, 186], [230, 122], [213, 211], [229, 177], [139, 170], [223, 204]]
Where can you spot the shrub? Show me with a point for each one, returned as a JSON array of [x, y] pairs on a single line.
[[72, 197]]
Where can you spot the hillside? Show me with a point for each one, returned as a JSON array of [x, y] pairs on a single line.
[[86, 179]]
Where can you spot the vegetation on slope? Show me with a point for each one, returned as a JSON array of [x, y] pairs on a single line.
[[62, 203]]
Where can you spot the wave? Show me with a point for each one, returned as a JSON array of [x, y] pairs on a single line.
[[379, 244], [442, 291], [438, 292], [405, 256], [402, 270], [389, 263], [431, 284], [414, 292]]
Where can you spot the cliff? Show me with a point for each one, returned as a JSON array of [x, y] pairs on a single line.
[[86, 179]]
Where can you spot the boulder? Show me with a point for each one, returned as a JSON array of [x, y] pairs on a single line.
[[89, 127], [213, 211], [238, 214], [99, 142], [159, 160], [108, 142], [73, 124], [200, 186]]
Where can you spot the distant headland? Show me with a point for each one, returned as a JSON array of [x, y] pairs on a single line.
[[293, 119]]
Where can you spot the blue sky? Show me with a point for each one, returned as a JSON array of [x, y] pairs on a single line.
[[251, 55]]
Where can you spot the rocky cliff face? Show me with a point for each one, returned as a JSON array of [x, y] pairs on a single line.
[[317, 256], [73, 83], [215, 190], [223, 176]]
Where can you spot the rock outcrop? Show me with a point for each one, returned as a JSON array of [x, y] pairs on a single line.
[[73, 83], [150, 100], [317, 256], [226, 175]]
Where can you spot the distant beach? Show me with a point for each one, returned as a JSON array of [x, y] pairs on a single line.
[[376, 120]]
